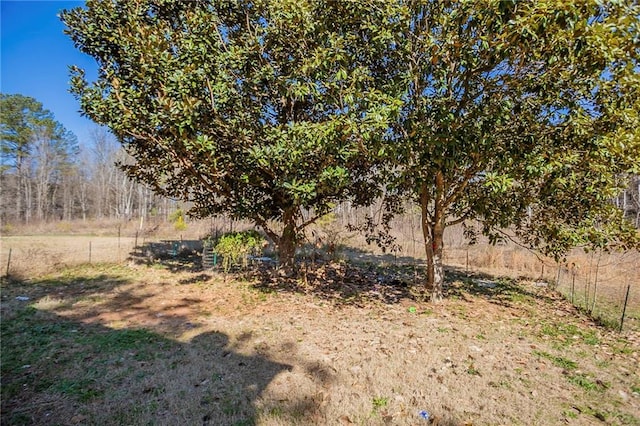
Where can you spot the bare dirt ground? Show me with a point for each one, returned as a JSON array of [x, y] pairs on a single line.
[[164, 344]]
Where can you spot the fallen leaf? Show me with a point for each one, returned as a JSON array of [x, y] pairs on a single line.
[[78, 418], [345, 420]]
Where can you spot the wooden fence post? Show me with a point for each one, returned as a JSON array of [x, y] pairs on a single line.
[[573, 285], [8, 263], [467, 264]]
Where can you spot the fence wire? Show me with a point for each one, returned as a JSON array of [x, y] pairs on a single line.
[[605, 285]]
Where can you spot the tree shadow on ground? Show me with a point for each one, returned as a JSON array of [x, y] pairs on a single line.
[[352, 276], [61, 286], [69, 370], [502, 291], [339, 282], [174, 255], [387, 279]]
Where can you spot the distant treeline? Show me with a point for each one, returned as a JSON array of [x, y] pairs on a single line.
[[45, 175]]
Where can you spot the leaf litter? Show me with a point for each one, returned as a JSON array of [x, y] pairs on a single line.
[[319, 348]]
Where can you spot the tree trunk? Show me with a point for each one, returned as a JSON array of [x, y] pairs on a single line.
[[287, 242], [433, 225], [435, 267], [28, 200], [19, 192]]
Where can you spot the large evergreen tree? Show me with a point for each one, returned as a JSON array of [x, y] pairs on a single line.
[[259, 109], [521, 115]]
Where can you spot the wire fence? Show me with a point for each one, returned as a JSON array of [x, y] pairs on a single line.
[[604, 285], [28, 256], [31, 256]]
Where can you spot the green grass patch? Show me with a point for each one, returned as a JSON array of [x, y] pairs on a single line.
[[245, 422], [571, 414], [568, 334], [594, 412], [379, 402], [27, 339], [46, 353], [558, 361], [473, 371], [505, 384], [230, 407], [89, 277], [587, 383], [83, 389], [110, 341], [607, 321], [518, 297]]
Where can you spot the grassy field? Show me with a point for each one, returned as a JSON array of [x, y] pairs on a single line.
[[166, 343]]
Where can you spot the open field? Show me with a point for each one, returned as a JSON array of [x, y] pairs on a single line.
[[32, 256], [167, 343]]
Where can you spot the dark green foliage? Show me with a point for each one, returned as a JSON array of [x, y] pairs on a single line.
[[522, 116], [260, 110], [235, 247]]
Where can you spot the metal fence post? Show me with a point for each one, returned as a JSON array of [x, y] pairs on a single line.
[[624, 308]]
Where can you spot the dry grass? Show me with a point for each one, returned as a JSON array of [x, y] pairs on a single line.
[[597, 282], [155, 228], [166, 343], [41, 248], [148, 345], [32, 256]]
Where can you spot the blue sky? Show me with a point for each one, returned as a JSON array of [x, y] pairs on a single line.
[[35, 56]]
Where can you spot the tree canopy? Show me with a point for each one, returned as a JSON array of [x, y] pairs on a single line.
[[256, 109], [520, 115], [22, 118]]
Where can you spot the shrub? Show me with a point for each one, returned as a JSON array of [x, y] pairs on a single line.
[[235, 247]]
